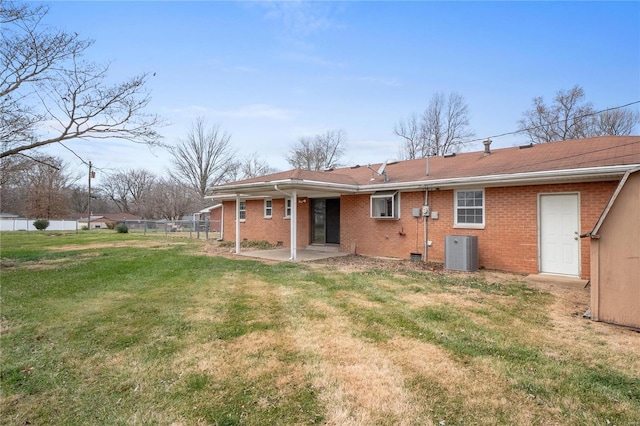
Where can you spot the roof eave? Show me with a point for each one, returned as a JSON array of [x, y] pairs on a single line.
[[257, 189], [531, 178]]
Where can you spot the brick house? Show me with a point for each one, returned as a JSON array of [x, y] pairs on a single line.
[[527, 205]]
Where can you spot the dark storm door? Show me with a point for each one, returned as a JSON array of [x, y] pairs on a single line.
[[333, 221], [325, 220]]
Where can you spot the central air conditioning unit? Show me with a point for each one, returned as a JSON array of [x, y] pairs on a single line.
[[461, 253]]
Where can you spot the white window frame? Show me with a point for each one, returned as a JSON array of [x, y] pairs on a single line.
[[287, 208], [268, 208], [243, 210], [456, 208], [377, 200]]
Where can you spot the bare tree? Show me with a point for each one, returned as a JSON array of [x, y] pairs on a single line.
[[205, 157], [567, 118], [415, 144], [252, 166], [38, 188], [445, 123], [617, 122], [79, 196], [131, 190], [442, 128], [571, 117], [172, 199], [49, 94], [319, 152]]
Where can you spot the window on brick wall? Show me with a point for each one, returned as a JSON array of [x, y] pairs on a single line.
[[385, 205], [243, 210], [287, 207], [469, 208], [268, 208]]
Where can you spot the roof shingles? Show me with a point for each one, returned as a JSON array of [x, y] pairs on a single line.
[[564, 155]]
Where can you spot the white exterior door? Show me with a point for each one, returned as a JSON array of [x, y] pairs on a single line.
[[559, 234]]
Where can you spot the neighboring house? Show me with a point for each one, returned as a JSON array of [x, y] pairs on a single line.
[[100, 220], [526, 205], [615, 256], [215, 217]]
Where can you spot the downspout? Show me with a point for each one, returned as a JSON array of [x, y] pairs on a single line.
[[425, 224], [221, 223], [294, 222], [237, 224]]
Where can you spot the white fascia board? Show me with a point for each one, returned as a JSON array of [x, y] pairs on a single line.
[[282, 184], [208, 209], [252, 190], [533, 178], [232, 197]]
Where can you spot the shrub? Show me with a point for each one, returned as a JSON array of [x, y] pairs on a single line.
[[110, 225], [121, 228], [41, 224]]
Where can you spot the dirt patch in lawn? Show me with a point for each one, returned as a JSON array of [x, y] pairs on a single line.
[[129, 244], [356, 381], [566, 310], [46, 264]]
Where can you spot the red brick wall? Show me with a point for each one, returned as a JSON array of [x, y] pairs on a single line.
[[508, 242], [275, 229], [381, 237]]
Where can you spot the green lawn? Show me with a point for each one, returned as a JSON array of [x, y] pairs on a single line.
[[106, 328]]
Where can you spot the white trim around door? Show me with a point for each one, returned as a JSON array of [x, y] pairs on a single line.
[[559, 233]]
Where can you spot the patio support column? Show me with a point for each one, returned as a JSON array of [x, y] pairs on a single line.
[[294, 227], [237, 224]]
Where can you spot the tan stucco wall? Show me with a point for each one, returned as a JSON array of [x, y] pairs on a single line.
[[615, 260]]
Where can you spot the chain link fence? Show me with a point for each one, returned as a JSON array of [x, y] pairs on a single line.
[[201, 229]]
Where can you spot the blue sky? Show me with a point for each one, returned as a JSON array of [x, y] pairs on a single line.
[[270, 72]]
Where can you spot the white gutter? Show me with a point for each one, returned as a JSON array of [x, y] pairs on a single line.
[[221, 223], [425, 224], [493, 180], [506, 179], [292, 183]]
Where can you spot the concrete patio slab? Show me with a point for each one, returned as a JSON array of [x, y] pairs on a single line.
[[559, 281], [284, 254]]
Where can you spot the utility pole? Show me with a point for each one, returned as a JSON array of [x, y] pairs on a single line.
[[91, 174]]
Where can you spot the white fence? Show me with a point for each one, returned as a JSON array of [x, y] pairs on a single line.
[[27, 225]]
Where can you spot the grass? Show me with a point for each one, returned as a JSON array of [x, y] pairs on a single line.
[[125, 329]]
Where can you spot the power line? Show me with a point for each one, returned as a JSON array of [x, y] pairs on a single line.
[[82, 159], [74, 153], [555, 122], [40, 161]]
